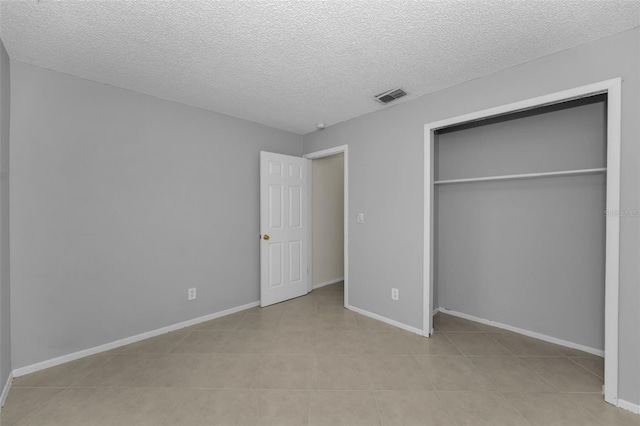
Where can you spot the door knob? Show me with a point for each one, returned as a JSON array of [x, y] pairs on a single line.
[[266, 237]]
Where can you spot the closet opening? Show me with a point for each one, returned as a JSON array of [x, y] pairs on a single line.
[[516, 230]]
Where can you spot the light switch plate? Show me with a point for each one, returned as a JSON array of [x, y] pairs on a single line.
[[360, 218]]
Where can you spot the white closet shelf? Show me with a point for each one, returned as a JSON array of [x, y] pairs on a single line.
[[523, 176]]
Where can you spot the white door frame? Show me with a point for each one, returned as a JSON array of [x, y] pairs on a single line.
[[613, 89], [314, 156]]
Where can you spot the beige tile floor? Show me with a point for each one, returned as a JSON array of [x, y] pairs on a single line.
[[309, 361]]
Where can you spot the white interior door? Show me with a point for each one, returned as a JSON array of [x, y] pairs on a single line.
[[283, 228]]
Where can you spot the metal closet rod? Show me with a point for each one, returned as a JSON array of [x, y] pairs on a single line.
[[522, 176]]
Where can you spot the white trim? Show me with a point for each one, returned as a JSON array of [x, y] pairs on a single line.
[[427, 270], [386, 320], [539, 336], [433, 313], [625, 405], [325, 283], [310, 225], [325, 153], [521, 176], [545, 100], [612, 244], [126, 341], [613, 89], [5, 390]]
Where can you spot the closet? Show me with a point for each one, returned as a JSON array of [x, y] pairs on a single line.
[[518, 216]]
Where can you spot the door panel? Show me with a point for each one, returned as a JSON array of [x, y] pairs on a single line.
[[283, 227]]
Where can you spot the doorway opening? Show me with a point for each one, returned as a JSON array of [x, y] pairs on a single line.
[[328, 215]]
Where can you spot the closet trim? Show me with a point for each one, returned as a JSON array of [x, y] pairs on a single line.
[[613, 89]]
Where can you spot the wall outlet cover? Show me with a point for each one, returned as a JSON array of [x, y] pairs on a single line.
[[191, 293]]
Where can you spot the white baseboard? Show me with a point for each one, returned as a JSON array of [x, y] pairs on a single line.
[[318, 285], [5, 390], [385, 320], [126, 341], [634, 408], [539, 336]]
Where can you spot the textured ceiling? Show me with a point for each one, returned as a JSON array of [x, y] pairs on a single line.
[[291, 64]]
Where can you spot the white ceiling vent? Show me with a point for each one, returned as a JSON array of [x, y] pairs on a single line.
[[390, 95]]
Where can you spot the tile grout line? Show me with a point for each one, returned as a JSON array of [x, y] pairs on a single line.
[[434, 388], [536, 372], [91, 370], [375, 400], [500, 344], [164, 355], [514, 407], [431, 383], [180, 341], [559, 392], [491, 381], [313, 368], [575, 402], [585, 368], [38, 406], [309, 393], [415, 358], [275, 331], [445, 407], [499, 391]]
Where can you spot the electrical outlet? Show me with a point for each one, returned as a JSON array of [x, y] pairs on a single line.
[[191, 293], [360, 218], [394, 293]]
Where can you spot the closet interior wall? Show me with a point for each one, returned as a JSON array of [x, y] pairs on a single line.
[[528, 253]]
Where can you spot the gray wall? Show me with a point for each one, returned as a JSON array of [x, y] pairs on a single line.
[[120, 203], [386, 180], [5, 318], [527, 253], [327, 210]]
